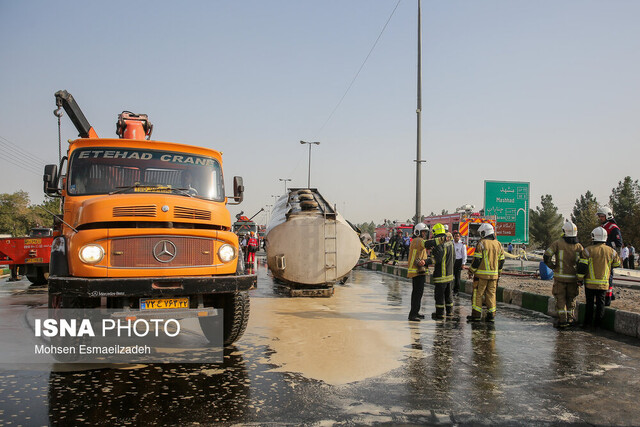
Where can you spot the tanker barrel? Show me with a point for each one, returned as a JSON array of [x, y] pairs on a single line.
[[66, 100]]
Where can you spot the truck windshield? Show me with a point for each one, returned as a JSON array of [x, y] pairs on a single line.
[[124, 170]]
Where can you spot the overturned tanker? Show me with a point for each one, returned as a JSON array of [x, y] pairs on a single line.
[[310, 246]]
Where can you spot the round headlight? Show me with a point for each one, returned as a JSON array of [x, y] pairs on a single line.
[[91, 254], [227, 253]]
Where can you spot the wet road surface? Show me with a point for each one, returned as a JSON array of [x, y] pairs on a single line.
[[349, 359]]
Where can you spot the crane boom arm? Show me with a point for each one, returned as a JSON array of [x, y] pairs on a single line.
[[65, 100]]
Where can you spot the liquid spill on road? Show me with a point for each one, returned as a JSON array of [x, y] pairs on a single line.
[[345, 338]]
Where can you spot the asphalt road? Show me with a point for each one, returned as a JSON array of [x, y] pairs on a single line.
[[349, 359]]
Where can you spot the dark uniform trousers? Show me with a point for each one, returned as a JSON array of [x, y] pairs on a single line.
[[444, 298], [416, 294], [457, 269], [591, 295]]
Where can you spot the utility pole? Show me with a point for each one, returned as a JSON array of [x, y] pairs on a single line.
[[419, 119]]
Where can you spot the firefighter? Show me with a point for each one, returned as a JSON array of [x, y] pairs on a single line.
[[417, 269], [614, 240], [566, 251], [594, 270], [443, 256], [485, 271], [252, 248], [395, 248]]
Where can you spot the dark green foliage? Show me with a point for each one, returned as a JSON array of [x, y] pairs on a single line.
[[625, 203], [17, 216], [545, 223], [584, 216]]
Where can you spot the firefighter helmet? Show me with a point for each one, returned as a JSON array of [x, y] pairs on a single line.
[[599, 234], [438, 229], [418, 228], [569, 229], [485, 229], [606, 211]]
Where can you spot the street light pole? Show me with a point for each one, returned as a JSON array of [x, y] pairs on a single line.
[[309, 175], [419, 160], [285, 183]]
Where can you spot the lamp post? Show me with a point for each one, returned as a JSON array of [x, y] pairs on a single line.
[[309, 175], [285, 183], [419, 160]]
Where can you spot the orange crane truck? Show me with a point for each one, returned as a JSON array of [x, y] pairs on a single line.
[[145, 226]]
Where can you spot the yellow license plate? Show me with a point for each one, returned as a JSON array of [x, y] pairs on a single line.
[[163, 303], [32, 241], [152, 190], [33, 260]]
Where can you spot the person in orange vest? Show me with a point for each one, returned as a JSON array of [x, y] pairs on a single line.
[[252, 247], [485, 271], [594, 270], [417, 270]]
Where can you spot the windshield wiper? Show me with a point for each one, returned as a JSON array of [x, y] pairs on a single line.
[[183, 191], [128, 187]]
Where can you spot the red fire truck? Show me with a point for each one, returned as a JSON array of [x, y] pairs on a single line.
[[28, 255], [466, 223], [390, 229]]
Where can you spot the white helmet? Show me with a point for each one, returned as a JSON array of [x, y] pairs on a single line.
[[485, 229], [570, 229], [419, 227], [606, 211], [599, 234], [446, 227]]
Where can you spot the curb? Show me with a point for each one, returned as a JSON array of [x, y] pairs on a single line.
[[619, 321]]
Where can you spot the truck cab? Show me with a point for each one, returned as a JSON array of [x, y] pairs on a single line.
[[144, 225]]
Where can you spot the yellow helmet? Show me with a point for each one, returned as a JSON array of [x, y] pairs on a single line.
[[438, 229]]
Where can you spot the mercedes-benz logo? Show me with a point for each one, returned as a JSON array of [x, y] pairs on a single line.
[[164, 251]]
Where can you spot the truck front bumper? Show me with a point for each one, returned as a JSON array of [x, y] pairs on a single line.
[[148, 286]]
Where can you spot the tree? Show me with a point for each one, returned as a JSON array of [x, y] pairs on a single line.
[[41, 215], [584, 216], [18, 217], [625, 203], [545, 223], [367, 227], [15, 216]]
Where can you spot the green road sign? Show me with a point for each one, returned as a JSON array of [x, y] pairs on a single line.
[[509, 202]]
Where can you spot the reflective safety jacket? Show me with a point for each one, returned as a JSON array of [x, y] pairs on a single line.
[[596, 262], [567, 256], [395, 244], [614, 236], [443, 255], [416, 253], [488, 259]]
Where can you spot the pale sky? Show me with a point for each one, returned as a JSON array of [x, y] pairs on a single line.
[[546, 92]]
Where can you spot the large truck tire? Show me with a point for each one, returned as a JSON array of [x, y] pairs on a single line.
[[235, 319], [57, 303], [36, 275]]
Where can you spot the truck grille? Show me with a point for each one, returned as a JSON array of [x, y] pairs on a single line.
[[146, 211], [189, 213], [138, 252]]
